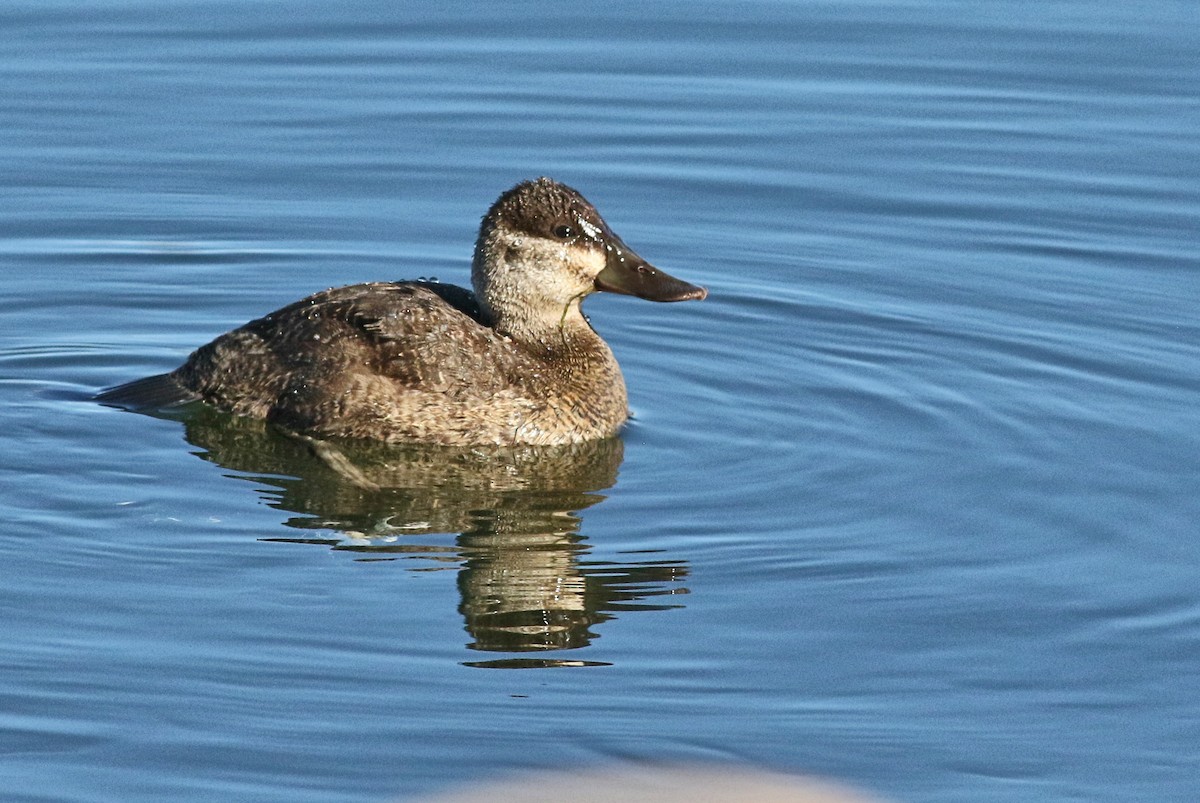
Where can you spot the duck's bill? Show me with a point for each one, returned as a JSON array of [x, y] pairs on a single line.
[[626, 272]]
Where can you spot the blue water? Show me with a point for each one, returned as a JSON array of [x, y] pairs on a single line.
[[909, 501]]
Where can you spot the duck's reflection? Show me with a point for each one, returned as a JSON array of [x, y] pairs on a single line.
[[509, 518]]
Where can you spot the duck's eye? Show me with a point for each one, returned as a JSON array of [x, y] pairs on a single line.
[[564, 232]]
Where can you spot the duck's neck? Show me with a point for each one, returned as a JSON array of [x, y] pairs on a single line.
[[562, 333]]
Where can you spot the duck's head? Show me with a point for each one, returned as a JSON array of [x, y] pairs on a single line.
[[542, 248]]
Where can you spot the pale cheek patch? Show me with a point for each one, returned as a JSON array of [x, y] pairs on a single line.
[[588, 263], [565, 271]]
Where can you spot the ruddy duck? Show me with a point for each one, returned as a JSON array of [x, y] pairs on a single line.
[[515, 362]]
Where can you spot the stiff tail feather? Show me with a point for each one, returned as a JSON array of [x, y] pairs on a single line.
[[160, 390]]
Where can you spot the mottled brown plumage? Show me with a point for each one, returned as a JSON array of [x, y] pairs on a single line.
[[515, 362]]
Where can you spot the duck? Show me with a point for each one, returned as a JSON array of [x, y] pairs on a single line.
[[513, 361]]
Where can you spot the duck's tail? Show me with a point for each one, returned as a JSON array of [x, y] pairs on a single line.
[[160, 390]]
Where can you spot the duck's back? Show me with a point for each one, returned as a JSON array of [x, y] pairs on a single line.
[[424, 336], [393, 361]]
